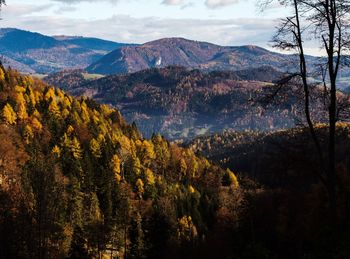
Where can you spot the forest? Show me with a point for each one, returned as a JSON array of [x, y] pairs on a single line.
[[77, 181]]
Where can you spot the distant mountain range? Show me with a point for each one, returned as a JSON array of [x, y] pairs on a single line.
[[182, 103], [191, 54], [32, 52], [36, 53], [178, 87]]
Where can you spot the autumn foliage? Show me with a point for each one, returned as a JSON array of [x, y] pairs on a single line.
[[90, 185]]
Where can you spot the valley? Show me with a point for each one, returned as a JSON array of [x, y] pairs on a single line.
[[180, 103]]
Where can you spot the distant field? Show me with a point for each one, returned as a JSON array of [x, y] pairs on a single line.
[[40, 76], [88, 76]]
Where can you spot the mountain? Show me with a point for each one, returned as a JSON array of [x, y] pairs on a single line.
[[183, 103], [36, 53], [90, 43], [191, 54]]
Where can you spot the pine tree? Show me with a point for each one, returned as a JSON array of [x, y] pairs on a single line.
[[137, 238]]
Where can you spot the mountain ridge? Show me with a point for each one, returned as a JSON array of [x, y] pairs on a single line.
[[33, 52], [192, 54]]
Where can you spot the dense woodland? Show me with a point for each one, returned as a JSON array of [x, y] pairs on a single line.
[[184, 103], [79, 182], [290, 207]]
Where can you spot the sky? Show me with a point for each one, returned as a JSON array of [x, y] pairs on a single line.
[[223, 22]]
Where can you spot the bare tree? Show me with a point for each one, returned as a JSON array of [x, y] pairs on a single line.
[[324, 23]]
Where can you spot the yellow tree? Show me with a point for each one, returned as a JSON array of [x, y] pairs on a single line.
[[193, 164], [136, 165], [115, 166], [150, 177], [70, 130], [21, 106], [31, 96], [85, 113], [140, 188], [125, 144], [75, 148], [56, 151], [147, 152], [183, 167], [187, 230], [9, 114], [50, 95], [231, 178], [54, 109], [191, 189], [95, 148], [161, 149], [36, 124], [2, 73], [28, 134]]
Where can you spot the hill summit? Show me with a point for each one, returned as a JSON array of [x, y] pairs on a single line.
[[186, 53]]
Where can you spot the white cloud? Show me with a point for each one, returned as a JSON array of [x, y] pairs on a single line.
[[173, 2], [219, 3], [86, 1], [15, 10], [209, 3], [65, 9], [124, 28]]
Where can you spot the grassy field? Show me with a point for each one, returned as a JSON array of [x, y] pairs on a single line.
[[88, 76]]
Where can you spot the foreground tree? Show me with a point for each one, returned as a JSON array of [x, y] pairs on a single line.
[[326, 22]]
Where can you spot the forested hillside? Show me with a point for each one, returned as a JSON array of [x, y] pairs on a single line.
[[254, 153], [76, 181], [182, 103], [288, 205]]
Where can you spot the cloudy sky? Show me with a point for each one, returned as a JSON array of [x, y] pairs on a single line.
[[225, 22]]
